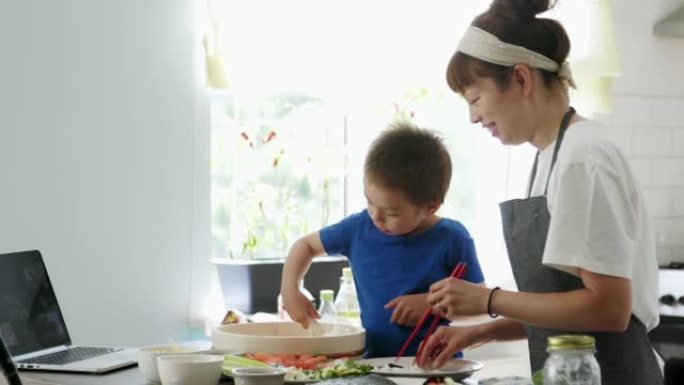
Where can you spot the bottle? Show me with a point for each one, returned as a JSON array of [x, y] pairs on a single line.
[[327, 309], [282, 313], [571, 361], [346, 303]]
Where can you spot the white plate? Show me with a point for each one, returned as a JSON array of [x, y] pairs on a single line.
[[458, 368]]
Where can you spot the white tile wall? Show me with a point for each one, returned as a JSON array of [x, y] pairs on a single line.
[[667, 112], [651, 131], [668, 171], [670, 232], [678, 251], [632, 112], [623, 136], [648, 99], [678, 204], [643, 169], [652, 141], [678, 141], [659, 201], [664, 254]]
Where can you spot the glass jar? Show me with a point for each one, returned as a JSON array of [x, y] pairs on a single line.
[[571, 361]]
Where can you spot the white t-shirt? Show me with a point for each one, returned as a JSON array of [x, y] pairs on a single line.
[[599, 221]]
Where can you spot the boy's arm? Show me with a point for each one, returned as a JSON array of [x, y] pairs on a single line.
[[297, 264]]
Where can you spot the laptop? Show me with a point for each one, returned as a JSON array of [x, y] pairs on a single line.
[[33, 328]]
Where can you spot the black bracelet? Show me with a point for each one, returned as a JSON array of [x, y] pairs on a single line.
[[489, 303]]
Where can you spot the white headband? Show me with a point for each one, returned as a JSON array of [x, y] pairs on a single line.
[[485, 46]]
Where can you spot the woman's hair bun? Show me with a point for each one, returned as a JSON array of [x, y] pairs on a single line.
[[520, 9]]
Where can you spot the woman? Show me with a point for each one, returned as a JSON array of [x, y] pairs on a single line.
[[580, 244]]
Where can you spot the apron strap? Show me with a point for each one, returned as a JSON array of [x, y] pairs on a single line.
[[561, 133], [533, 174]]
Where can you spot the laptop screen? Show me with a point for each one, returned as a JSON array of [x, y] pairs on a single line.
[[30, 319]]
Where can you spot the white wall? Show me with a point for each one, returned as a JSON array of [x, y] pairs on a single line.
[[648, 115], [99, 123]]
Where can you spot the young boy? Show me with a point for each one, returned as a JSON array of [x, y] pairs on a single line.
[[397, 247]]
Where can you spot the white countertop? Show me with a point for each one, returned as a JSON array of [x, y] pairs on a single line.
[[499, 359]]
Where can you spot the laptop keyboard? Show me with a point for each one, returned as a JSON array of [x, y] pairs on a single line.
[[70, 355]]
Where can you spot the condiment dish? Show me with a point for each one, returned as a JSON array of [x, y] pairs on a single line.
[[259, 376], [190, 369]]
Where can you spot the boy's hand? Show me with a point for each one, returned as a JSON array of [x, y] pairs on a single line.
[[299, 307], [408, 309]]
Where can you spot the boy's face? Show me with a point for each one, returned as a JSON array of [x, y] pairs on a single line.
[[393, 213]]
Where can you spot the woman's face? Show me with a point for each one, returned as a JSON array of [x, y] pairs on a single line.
[[392, 212], [500, 112]]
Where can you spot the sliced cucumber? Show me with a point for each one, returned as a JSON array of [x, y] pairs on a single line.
[[232, 361]]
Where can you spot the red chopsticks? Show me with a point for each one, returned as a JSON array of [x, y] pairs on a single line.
[[458, 272]]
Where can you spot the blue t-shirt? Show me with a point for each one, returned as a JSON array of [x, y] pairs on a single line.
[[387, 266]]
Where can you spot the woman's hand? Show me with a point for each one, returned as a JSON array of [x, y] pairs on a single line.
[[452, 297], [299, 307], [408, 309], [444, 343]]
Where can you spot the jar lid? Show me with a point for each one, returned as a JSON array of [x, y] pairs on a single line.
[[327, 295], [570, 342]]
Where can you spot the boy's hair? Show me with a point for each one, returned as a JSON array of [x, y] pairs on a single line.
[[412, 160]]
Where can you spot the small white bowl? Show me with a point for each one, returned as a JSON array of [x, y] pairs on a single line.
[[147, 359], [259, 376], [190, 369]]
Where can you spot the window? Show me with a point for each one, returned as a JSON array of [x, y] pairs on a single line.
[[308, 93], [285, 164], [311, 84], [277, 171]]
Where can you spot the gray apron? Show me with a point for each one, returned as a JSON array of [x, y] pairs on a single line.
[[625, 358]]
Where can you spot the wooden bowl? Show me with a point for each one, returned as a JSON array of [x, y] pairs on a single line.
[[333, 340]]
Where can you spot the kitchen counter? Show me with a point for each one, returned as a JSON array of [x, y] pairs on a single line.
[[508, 360]]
